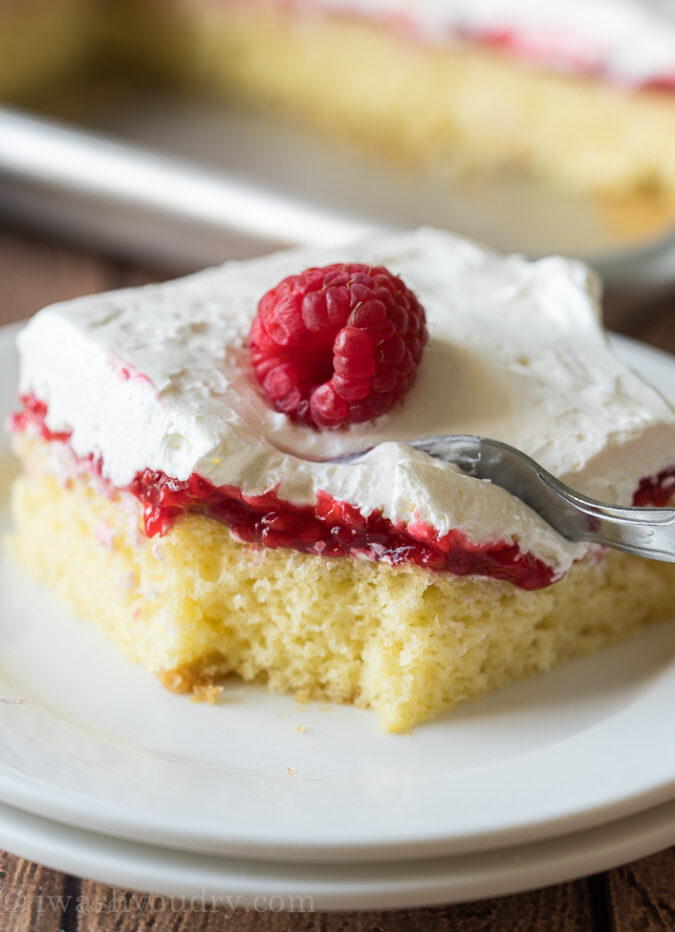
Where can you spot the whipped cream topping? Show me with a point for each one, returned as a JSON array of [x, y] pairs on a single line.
[[158, 377], [631, 41]]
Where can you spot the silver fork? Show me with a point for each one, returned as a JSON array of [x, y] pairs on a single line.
[[647, 532]]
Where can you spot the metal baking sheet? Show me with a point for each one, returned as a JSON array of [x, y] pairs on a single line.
[[186, 182]]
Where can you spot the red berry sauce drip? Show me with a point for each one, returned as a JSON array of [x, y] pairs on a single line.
[[568, 55], [337, 345], [33, 414], [657, 491]]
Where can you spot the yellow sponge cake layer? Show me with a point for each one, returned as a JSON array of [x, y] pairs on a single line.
[[196, 604]]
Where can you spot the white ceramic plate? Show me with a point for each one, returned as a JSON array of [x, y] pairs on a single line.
[[267, 886], [89, 740]]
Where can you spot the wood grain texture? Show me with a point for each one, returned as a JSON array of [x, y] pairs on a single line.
[[32, 898], [637, 898], [34, 273], [642, 894]]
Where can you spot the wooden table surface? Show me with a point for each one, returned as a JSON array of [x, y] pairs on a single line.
[[638, 897]]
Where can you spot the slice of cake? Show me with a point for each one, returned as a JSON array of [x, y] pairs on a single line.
[[178, 489]]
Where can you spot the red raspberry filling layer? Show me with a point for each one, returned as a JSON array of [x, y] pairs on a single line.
[[330, 528]]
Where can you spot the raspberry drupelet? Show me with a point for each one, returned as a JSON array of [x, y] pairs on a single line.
[[337, 345]]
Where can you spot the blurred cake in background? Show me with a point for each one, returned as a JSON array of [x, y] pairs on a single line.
[[581, 94]]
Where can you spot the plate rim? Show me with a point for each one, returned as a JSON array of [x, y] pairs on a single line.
[[392, 885]]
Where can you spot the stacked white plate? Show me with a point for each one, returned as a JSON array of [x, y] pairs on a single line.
[[104, 774]]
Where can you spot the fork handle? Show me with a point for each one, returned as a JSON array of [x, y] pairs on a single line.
[[647, 532]]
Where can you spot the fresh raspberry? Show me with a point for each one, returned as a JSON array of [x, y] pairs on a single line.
[[337, 345]]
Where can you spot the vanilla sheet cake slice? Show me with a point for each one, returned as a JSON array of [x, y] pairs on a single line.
[[167, 499]]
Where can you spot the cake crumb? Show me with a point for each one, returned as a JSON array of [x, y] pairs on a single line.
[[300, 729], [291, 771], [205, 692]]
